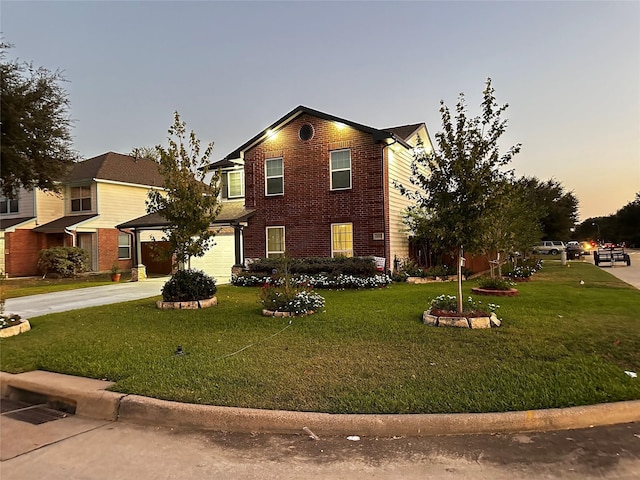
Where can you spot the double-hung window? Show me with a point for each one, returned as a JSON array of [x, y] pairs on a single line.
[[340, 169], [275, 242], [124, 246], [80, 199], [274, 175], [8, 205], [232, 184], [342, 240]]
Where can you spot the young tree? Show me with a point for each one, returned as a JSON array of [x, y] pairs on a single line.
[[188, 203], [36, 141], [456, 183], [511, 226]]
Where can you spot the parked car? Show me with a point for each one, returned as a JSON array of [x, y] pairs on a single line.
[[549, 247], [574, 250]]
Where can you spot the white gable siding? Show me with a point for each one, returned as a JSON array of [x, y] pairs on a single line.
[[399, 171], [399, 162], [49, 206]]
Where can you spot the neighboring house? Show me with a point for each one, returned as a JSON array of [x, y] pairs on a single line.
[[218, 261], [321, 185], [19, 244], [97, 195]]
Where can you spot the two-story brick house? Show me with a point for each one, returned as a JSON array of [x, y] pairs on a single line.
[[98, 194], [321, 185]]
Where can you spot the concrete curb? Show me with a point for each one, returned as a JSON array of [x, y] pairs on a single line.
[[87, 397], [150, 411], [91, 400]]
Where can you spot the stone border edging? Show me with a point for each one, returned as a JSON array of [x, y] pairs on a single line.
[[191, 305], [93, 400], [23, 326]]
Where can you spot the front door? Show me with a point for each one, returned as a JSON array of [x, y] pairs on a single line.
[[86, 241]]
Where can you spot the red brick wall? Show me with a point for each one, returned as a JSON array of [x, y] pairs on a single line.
[[21, 252], [22, 248], [309, 206], [108, 250]]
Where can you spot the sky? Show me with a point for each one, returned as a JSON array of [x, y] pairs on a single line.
[[570, 72]]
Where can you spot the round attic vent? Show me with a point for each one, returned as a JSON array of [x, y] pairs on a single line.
[[306, 132]]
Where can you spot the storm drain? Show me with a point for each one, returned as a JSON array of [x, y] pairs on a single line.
[[25, 412], [8, 405]]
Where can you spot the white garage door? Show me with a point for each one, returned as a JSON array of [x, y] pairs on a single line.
[[218, 260]]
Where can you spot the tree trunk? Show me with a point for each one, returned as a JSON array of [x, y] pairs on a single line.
[[460, 259]]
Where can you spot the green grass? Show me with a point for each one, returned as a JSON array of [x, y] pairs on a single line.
[[561, 344], [22, 287]]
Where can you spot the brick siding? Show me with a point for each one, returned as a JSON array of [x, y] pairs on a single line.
[[309, 207]]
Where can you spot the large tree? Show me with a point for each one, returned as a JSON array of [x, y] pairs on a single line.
[[455, 184], [559, 207], [36, 141], [188, 203]]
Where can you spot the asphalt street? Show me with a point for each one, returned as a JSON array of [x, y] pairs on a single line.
[[117, 451]]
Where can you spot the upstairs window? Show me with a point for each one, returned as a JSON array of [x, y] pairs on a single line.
[[8, 205], [342, 240], [124, 246], [341, 169], [235, 184], [274, 174], [275, 242], [80, 199], [232, 184]]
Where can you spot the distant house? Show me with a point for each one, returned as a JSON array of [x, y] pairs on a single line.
[[321, 185], [19, 245], [98, 194]]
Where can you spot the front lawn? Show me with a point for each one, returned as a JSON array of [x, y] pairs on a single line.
[[561, 344]]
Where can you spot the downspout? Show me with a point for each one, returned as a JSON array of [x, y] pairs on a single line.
[[73, 237]]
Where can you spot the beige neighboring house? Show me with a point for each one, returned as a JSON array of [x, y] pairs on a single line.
[[98, 194], [18, 217]]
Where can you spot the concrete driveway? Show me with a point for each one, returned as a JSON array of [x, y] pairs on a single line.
[[36, 305]]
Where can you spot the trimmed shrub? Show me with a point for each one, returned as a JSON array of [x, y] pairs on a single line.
[[63, 261], [364, 266], [494, 283], [188, 286]]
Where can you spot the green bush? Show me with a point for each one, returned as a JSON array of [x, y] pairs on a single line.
[[365, 266], [188, 286], [494, 283], [63, 261]]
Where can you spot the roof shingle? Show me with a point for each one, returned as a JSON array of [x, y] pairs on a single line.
[[118, 168]]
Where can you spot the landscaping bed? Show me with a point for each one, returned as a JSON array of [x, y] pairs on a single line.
[[562, 343]]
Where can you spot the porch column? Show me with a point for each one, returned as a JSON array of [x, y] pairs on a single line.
[[237, 236], [138, 271]]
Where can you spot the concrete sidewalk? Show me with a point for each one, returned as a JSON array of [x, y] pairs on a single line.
[[36, 305]]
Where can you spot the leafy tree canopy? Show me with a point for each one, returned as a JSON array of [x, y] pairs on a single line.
[[559, 208], [458, 183], [188, 203], [623, 226], [36, 141]]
